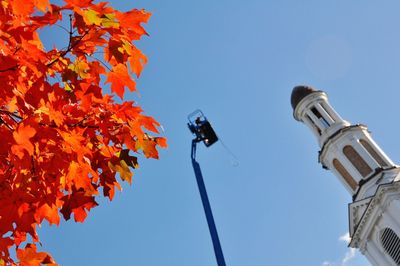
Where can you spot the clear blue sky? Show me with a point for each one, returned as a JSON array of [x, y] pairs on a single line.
[[238, 61]]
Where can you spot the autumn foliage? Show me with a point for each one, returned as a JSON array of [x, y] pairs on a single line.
[[64, 141]]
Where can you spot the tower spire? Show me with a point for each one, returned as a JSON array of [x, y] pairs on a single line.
[[347, 150], [364, 169]]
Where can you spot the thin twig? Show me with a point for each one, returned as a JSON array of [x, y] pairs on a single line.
[[62, 27], [70, 47], [101, 62]]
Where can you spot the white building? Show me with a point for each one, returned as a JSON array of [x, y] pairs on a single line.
[[365, 171]]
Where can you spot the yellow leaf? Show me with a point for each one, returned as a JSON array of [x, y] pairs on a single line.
[[91, 17], [109, 20], [123, 170], [81, 68], [12, 105], [68, 87]]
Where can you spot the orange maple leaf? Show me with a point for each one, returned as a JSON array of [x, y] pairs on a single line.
[[22, 7], [162, 142], [30, 257], [42, 5], [133, 18], [50, 213], [79, 3], [119, 78], [21, 137]]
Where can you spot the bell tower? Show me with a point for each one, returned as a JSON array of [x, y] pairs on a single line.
[[365, 171]]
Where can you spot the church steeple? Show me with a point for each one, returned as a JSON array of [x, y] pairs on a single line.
[[367, 173], [347, 150]]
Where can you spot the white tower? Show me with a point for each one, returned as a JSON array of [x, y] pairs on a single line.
[[364, 170]]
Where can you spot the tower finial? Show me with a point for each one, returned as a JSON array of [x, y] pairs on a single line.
[[298, 93]]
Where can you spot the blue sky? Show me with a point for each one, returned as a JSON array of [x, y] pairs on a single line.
[[238, 61]]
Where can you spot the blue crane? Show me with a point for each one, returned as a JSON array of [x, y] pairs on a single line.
[[203, 131]]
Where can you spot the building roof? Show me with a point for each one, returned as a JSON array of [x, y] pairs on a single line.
[[298, 93]]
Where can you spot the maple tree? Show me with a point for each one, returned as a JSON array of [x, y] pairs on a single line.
[[64, 140]]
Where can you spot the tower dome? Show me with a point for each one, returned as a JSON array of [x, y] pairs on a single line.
[[298, 93]]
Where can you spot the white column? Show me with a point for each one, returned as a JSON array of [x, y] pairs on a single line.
[[331, 111], [311, 126], [316, 120], [324, 114], [349, 165], [379, 150], [364, 154]]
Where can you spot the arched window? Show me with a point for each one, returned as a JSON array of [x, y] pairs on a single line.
[[358, 162], [343, 172], [373, 153], [391, 243]]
